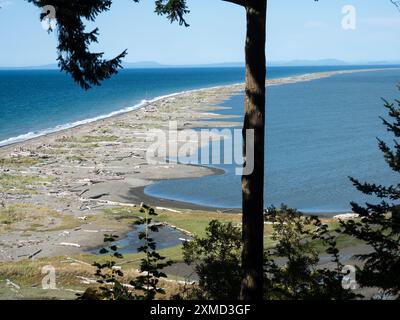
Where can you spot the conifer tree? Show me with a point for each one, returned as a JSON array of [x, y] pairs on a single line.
[[379, 224], [90, 69]]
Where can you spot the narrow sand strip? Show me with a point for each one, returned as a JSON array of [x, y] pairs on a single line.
[[55, 188]]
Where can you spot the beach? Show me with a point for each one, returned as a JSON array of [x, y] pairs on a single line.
[[55, 188]]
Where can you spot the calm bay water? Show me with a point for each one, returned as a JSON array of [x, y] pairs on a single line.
[[318, 134]]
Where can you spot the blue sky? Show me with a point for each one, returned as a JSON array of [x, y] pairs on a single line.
[[297, 29]]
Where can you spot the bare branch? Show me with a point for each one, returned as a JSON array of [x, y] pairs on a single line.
[[238, 2]]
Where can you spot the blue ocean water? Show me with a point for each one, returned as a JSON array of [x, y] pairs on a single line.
[[33, 102], [318, 133]]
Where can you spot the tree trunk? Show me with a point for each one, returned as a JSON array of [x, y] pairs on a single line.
[[253, 184]]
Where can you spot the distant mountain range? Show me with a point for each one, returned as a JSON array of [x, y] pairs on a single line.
[[328, 62], [152, 64], [322, 62], [283, 63]]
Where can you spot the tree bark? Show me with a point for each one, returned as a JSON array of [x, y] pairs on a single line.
[[253, 184]]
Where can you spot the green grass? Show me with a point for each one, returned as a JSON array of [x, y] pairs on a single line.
[[132, 260], [34, 218], [20, 184], [124, 125], [193, 221], [88, 139], [9, 216], [105, 130], [81, 145], [19, 161], [196, 222], [126, 140], [27, 273]]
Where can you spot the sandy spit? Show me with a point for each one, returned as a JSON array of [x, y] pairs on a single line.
[[54, 188]]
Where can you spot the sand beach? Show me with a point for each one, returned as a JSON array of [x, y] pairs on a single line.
[[54, 188]]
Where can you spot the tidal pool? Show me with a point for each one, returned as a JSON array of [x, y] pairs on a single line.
[[166, 237]]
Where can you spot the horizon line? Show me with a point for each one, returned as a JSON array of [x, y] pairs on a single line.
[[273, 63]]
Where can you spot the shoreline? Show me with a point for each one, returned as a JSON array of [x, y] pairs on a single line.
[[146, 103], [67, 126], [58, 187]]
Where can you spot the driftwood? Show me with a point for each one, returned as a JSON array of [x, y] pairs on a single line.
[[108, 202], [84, 191], [12, 284], [98, 196], [167, 209], [346, 216], [68, 244], [35, 253], [78, 261]]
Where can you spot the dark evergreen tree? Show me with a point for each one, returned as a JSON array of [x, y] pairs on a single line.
[[292, 269], [292, 265], [89, 69], [74, 56], [379, 224], [216, 260]]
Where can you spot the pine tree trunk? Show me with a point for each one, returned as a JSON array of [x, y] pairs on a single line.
[[253, 184]]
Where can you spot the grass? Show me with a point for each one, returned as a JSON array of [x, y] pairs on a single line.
[[88, 139], [61, 148], [8, 216], [19, 161], [193, 221], [28, 275], [34, 218], [124, 125], [196, 222], [25, 184], [105, 130], [127, 140], [76, 158]]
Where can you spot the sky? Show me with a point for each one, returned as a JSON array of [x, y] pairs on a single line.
[[296, 29]]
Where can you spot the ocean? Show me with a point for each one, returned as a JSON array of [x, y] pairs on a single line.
[[36, 102], [318, 132]]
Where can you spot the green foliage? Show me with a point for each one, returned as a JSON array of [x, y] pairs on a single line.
[[19, 161], [152, 264], [23, 184], [217, 262], [110, 276], [291, 267], [74, 56], [174, 9], [88, 139], [379, 226], [74, 42]]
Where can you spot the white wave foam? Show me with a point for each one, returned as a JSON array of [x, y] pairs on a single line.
[[31, 135], [143, 103]]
